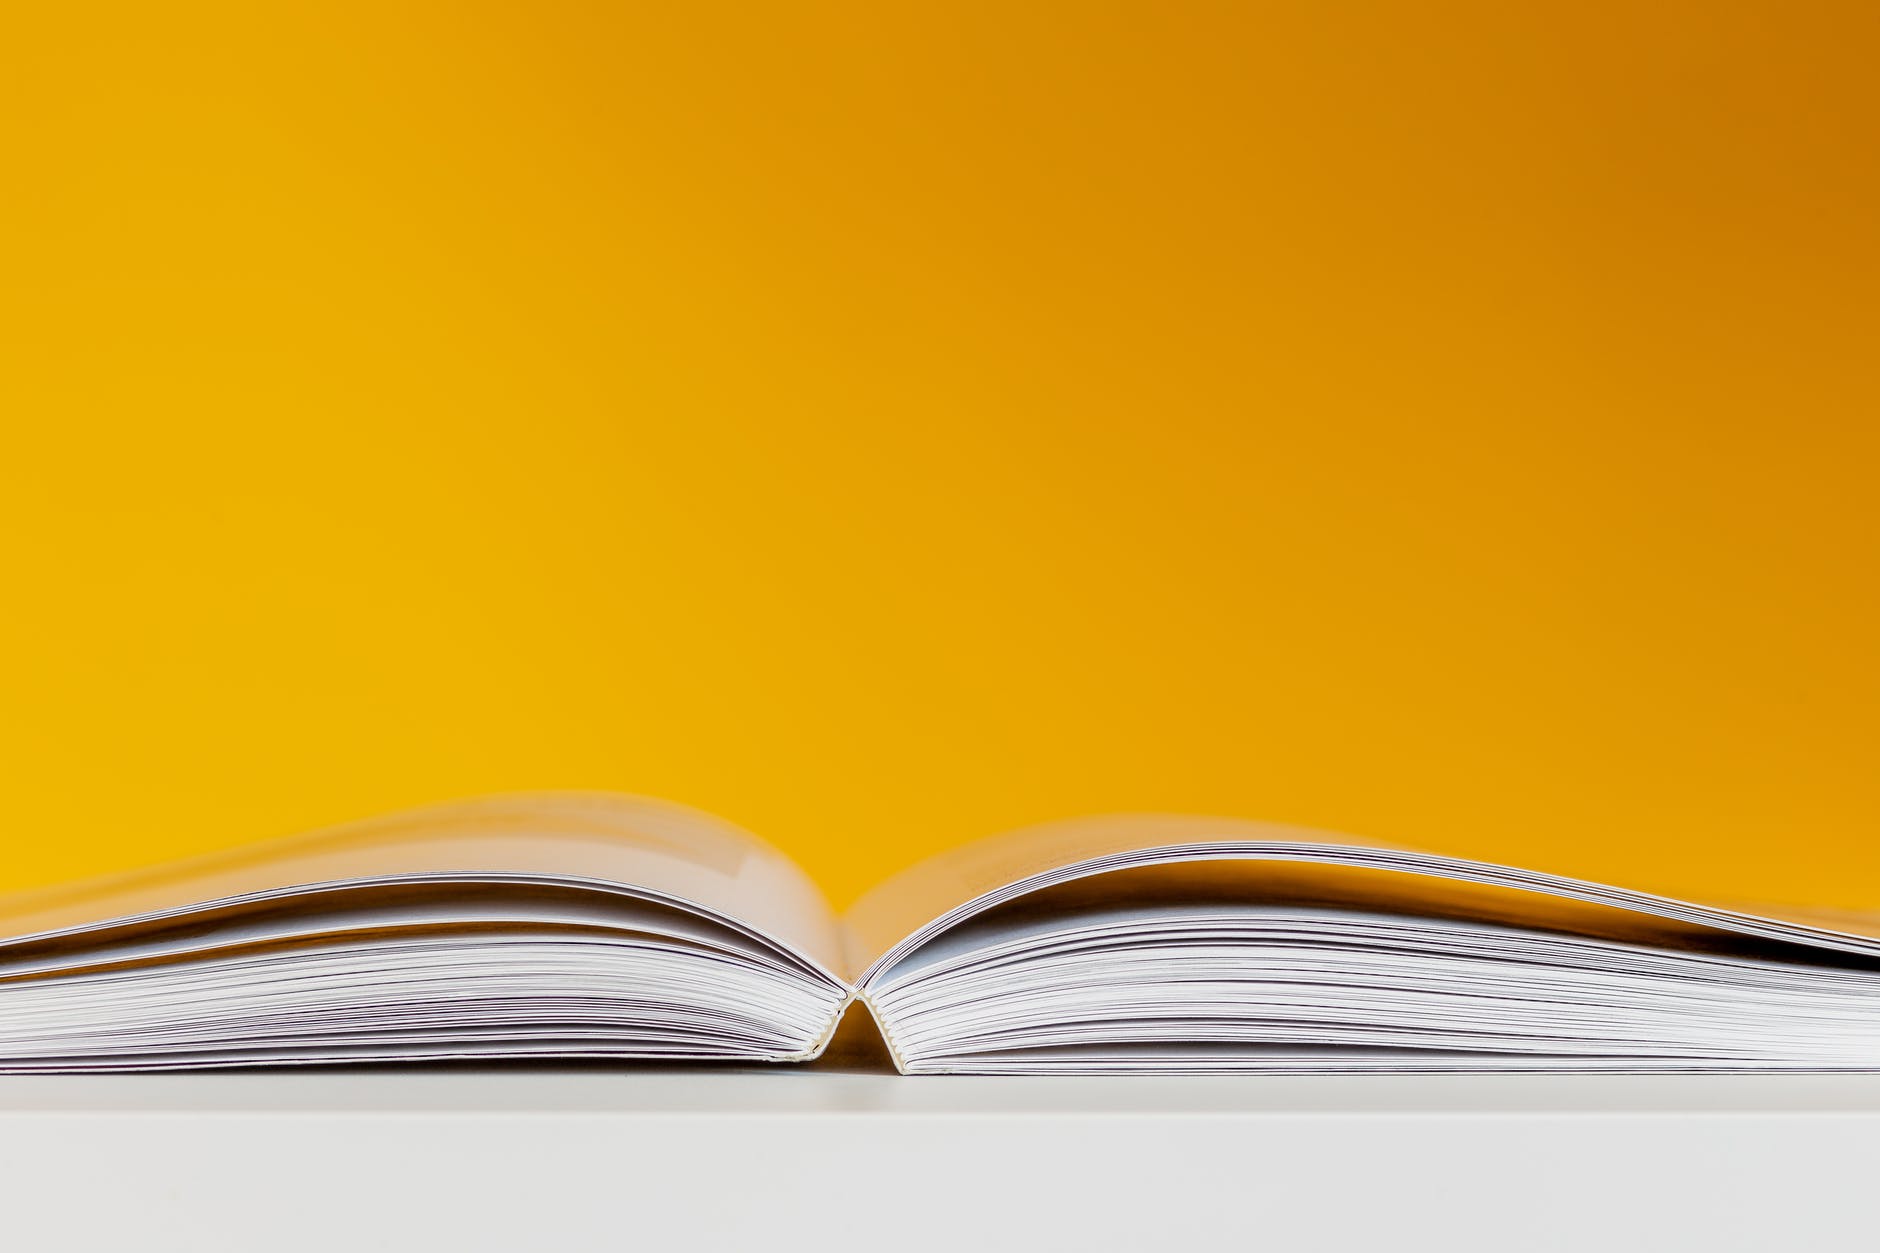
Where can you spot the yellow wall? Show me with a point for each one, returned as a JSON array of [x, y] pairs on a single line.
[[883, 425]]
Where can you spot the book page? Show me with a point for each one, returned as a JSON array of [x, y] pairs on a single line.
[[931, 897], [901, 904], [666, 849]]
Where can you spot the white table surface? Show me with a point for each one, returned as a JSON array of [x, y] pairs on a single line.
[[598, 1158]]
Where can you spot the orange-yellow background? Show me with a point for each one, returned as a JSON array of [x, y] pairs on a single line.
[[883, 425]]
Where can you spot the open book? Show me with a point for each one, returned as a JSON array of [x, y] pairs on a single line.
[[586, 925]]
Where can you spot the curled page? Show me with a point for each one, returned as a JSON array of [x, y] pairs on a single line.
[[666, 849], [1177, 944], [559, 925]]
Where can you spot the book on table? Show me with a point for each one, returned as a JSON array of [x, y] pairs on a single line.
[[577, 925]]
